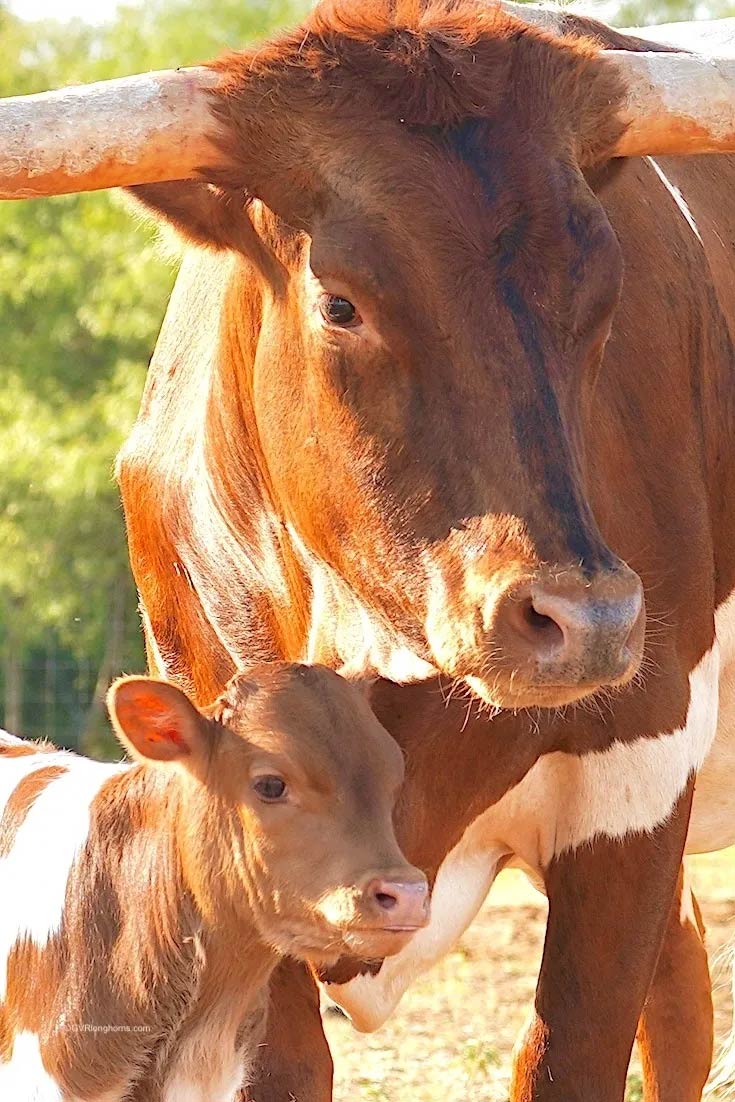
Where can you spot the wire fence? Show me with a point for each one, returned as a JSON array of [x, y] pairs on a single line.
[[56, 699]]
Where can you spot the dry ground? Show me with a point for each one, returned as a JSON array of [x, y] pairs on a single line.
[[451, 1038]]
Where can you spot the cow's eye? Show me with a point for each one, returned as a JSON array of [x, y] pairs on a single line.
[[270, 789], [338, 311]]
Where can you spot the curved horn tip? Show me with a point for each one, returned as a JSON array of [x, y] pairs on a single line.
[[676, 103]]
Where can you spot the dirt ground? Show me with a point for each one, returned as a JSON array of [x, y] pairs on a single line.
[[452, 1036]]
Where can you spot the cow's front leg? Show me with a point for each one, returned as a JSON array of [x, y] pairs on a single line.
[[609, 904], [294, 1062], [676, 1030]]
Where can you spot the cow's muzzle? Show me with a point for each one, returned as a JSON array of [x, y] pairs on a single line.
[[559, 635]]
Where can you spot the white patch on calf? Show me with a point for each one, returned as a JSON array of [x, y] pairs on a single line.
[[225, 1088], [563, 802], [206, 1067], [34, 875], [6, 739], [24, 1078]]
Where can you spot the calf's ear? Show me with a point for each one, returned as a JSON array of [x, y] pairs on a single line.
[[157, 722]]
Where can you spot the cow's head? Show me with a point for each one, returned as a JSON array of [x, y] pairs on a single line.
[[426, 288], [437, 283], [287, 788]]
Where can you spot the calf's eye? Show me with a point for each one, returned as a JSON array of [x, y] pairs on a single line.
[[270, 789], [338, 311]]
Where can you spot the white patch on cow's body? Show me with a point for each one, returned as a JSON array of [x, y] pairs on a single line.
[[675, 194], [462, 883], [24, 1078], [712, 825], [34, 875], [563, 802]]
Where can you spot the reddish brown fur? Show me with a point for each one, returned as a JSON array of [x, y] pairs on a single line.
[[17, 749], [21, 801], [427, 64], [675, 1035], [435, 441]]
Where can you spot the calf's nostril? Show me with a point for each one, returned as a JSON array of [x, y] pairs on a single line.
[[397, 904]]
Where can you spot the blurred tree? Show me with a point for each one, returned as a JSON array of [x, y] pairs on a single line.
[[639, 13], [82, 294]]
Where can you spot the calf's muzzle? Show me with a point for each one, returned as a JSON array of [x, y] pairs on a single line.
[[400, 904]]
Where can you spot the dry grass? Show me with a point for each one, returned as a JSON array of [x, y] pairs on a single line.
[[452, 1036]]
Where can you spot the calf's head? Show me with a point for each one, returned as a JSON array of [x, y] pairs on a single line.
[[436, 284], [292, 781]]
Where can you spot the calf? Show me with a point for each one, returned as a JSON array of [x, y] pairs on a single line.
[[143, 906]]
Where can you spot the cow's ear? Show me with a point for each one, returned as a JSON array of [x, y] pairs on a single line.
[[202, 213], [157, 722]]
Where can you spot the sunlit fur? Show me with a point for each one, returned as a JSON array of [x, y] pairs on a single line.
[[145, 906]]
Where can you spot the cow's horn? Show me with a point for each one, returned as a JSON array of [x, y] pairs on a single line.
[[137, 130], [676, 103], [154, 127]]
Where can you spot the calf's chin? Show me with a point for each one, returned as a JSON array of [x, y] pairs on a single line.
[[372, 917], [324, 947]]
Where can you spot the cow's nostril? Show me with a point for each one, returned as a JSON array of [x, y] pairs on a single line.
[[537, 628], [541, 624], [573, 630], [386, 901]]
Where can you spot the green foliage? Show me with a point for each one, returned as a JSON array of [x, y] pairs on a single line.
[[82, 294], [634, 1088], [637, 13], [479, 1059]]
